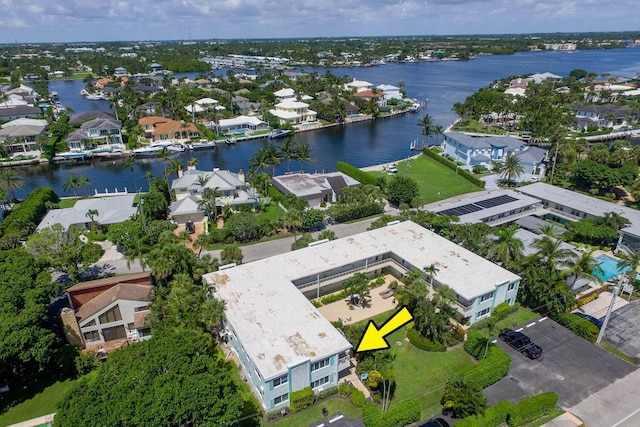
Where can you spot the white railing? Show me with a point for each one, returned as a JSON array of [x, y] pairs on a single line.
[[315, 282]]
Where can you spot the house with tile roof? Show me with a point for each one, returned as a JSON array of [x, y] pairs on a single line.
[[162, 128], [190, 187], [104, 311]]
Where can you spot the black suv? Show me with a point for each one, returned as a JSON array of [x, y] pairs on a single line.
[[517, 340], [532, 351]]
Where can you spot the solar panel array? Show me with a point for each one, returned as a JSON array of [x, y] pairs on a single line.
[[478, 206]]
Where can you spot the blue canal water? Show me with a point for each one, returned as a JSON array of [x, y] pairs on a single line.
[[366, 143]]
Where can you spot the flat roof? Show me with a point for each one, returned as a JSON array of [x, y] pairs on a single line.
[[111, 210], [480, 207], [279, 327], [583, 203], [305, 184]]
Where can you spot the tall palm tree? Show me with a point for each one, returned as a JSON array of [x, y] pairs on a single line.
[[615, 220], [175, 166], [511, 168], [629, 261], [438, 131], [10, 180], [260, 161], [273, 157], [293, 219], [507, 248], [431, 270], [551, 253], [92, 214], [71, 184], [427, 127], [287, 151], [82, 182], [131, 164], [303, 153], [149, 177]]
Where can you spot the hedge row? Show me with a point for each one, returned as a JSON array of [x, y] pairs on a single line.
[[28, 213], [344, 213], [454, 167], [579, 326], [355, 173], [492, 417], [301, 399], [532, 408], [423, 343], [400, 415], [489, 370], [521, 413]]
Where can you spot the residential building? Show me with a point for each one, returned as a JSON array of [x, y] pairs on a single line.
[[20, 139], [480, 149], [85, 116], [390, 91], [533, 161], [369, 95], [14, 112], [283, 94], [111, 210], [284, 344], [291, 112], [232, 189], [605, 115], [241, 125], [110, 310], [566, 205], [97, 135], [162, 128], [314, 188], [358, 86]]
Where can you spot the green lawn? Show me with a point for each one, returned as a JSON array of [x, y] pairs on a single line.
[[43, 403], [67, 203], [435, 180], [314, 414]]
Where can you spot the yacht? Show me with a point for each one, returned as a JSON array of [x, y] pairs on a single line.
[[202, 144], [155, 148]]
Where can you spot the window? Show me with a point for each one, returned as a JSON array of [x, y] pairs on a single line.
[[143, 308], [282, 380], [487, 296], [112, 315], [281, 399], [320, 364], [483, 312], [92, 323], [114, 333], [320, 382], [91, 336], [512, 286]]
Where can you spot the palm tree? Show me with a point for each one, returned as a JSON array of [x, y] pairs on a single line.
[[550, 251], [231, 254], [585, 267], [303, 153], [293, 219], [149, 177], [511, 168], [131, 163], [462, 399], [615, 220], [10, 180], [507, 248], [83, 181], [175, 166], [630, 261], [438, 131], [92, 214], [260, 162], [431, 270], [427, 127], [273, 157], [71, 184], [287, 151], [548, 229]]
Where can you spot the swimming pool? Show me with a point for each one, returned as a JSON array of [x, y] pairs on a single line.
[[610, 268]]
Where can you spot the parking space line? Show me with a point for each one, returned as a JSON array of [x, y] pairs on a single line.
[[518, 330], [544, 318], [531, 324], [320, 425], [336, 418], [626, 418]]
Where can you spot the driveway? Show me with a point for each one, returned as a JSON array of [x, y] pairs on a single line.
[[570, 366]]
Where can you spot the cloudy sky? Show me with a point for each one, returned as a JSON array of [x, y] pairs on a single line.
[[103, 20]]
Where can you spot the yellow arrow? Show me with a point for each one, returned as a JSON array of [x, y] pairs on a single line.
[[374, 338]]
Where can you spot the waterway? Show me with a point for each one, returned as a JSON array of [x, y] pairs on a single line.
[[367, 143]]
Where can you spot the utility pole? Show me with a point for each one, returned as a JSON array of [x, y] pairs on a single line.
[[616, 288], [144, 221]]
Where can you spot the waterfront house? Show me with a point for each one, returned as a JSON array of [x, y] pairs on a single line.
[[605, 115], [19, 137], [390, 91], [85, 116], [358, 86], [162, 128], [480, 149], [14, 112], [369, 95], [284, 344], [97, 135], [114, 310], [112, 209], [291, 112], [241, 125], [314, 188], [286, 93], [233, 191], [242, 105]]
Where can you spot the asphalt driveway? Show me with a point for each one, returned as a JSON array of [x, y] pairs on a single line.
[[570, 366]]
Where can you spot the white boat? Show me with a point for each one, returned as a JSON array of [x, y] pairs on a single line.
[[155, 148], [91, 96], [202, 144], [176, 148], [279, 133], [73, 155], [230, 141]]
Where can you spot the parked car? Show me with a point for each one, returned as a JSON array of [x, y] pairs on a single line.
[[190, 227], [436, 422], [591, 319], [517, 340], [532, 351], [391, 169]]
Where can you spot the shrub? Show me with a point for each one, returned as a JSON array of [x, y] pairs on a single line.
[[532, 408], [492, 417], [345, 389], [26, 215], [400, 415], [344, 212], [357, 398], [501, 311], [326, 393], [489, 370], [355, 173], [301, 399], [424, 343], [579, 326]]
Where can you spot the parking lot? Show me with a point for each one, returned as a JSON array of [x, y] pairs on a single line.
[[569, 366]]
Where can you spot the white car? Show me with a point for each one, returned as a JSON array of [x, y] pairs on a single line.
[[391, 169]]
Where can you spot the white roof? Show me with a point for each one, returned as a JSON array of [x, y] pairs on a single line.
[[111, 210], [25, 122], [477, 215], [583, 203], [206, 101], [241, 120], [284, 114], [388, 88], [187, 206], [515, 91], [284, 93], [291, 103], [359, 84], [195, 108], [305, 184], [24, 130], [279, 327], [538, 77]]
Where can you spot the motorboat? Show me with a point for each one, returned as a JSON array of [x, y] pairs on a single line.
[[155, 148], [230, 141], [202, 144], [91, 96], [279, 133]]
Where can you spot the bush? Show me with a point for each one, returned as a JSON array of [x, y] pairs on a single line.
[[400, 415], [301, 399], [454, 167], [327, 393], [26, 215], [345, 389], [532, 408], [423, 343], [492, 417], [489, 370], [218, 235], [579, 326], [345, 212], [355, 173], [357, 398], [501, 311]]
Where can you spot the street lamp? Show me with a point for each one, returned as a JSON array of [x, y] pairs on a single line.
[[144, 221]]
